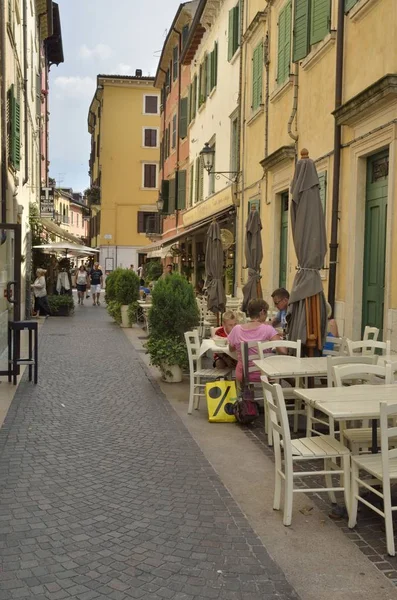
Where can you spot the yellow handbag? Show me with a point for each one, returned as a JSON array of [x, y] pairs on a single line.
[[221, 396]]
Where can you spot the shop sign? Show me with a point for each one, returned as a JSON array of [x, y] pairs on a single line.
[[47, 195], [211, 206]]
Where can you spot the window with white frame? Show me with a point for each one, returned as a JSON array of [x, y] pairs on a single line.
[[149, 175], [150, 136], [150, 105]]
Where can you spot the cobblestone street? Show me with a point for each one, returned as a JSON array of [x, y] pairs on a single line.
[[105, 495]]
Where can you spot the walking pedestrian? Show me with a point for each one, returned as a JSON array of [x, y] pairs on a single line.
[[96, 278], [82, 281], [41, 306]]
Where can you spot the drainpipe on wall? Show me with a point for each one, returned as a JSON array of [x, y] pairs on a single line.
[[333, 246], [25, 91], [240, 148], [3, 113], [295, 75], [178, 122], [162, 139]]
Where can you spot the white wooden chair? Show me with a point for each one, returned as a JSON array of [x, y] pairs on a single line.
[[289, 452], [252, 369], [370, 333], [339, 345], [360, 439], [367, 347], [197, 373], [382, 468], [294, 406]]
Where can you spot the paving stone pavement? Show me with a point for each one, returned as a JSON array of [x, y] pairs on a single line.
[[103, 492]]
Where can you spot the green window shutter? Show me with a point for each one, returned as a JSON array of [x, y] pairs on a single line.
[[14, 116], [175, 63], [201, 180], [284, 43], [349, 4], [181, 190], [230, 48], [197, 182], [194, 97], [215, 64], [257, 66], [165, 192], [171, 197], [191, 184], [183, 118], [301, 30], [322, 177], [208, 72], [201, 84], [236, 32], [320, 20]]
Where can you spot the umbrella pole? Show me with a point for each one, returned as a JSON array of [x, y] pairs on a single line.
[[310, 325], [318, 322], [259, 293]]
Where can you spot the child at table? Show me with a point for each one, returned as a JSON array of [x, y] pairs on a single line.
[[222, 361]]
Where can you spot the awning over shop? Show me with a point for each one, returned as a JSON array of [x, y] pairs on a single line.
[[160, 249], [54, 229]]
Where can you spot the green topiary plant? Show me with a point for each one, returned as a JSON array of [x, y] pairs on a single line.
[[61, 305], [174, 311], [126, 287], [153, 270], [132, 311], [110, 293], [114, 310]]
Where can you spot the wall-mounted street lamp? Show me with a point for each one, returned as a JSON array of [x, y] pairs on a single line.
[[160, 203], [207, 155]]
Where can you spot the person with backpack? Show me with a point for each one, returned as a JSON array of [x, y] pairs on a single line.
[[96, 278]]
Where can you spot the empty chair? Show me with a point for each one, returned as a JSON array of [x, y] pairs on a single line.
[[324, 448], [383, 470], [334, 346], [370, 333], [360, 439], [333, 361], [197, 374], [367, 347]]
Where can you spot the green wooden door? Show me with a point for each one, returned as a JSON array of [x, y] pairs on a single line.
[[283, 240], [375, 240]]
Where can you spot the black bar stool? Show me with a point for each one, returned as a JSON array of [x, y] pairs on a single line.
[[14, 349]]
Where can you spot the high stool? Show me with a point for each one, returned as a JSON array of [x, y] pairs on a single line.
[[14, 349]]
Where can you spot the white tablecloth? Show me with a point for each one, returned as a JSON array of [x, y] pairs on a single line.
[[209, 345]]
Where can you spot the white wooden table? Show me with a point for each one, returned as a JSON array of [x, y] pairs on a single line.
[[282, 367], [209, 345], [349, 403]]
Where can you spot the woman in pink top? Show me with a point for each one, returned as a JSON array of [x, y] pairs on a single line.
[[255, 331]]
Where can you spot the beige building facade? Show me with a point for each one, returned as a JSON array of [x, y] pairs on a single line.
[[316, 94]]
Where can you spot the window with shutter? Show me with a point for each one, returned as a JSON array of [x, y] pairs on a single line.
[[301, 30], [171, 197], [14, 128], [284, 43], [175, 63], [98, 145], [208, 71], [215, 65], [183, 118], [168, 140], [349, 4], [185, 33], [201, 181], [194, 97], [181, 190], [173, 145], [197, 182], [257, 66], [201, 84], [165, 191], [141, 222], [191, 185], [234, 31], [149, 175], [320, 20], [151, 105], [322, 177], [150, 138]]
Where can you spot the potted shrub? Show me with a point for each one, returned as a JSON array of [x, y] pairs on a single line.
[[110, 289], [174, 311], [153, 270], [126, 289], [61, 305]]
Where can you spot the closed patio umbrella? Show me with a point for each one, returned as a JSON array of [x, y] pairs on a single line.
[[307, 313], [216, 302], [253, 257]]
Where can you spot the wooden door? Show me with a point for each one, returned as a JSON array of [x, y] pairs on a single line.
[[375, 240]]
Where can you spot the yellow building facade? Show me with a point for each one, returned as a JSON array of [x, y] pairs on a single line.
[[327, 76], [124, 122]]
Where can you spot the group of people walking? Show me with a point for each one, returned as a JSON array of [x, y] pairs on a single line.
[[86, 279]]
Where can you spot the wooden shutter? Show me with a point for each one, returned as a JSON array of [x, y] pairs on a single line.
[[320, 20], [257, 65], [173, 145], [149, 179], [197, 182], [141, 222], [175, 63], [168, 139], [208, 74], [171, 197], [230, 51], [165, 192], [215, 64], [183, 118], [236, 31], [181, 190], [14, 117], [185, 33], [194, 101], [284, 43], [191, 184], [200, 86], [151, 105], [98, 145], [201, 180], [349, 4], [153, 137], [323, 189], [301, 30]]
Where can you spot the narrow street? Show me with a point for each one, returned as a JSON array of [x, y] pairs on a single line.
[[105, 495]]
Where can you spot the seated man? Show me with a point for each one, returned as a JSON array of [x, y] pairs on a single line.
[[280, 299], [222, 361]]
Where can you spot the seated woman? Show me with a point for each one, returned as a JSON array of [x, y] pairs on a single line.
[[256, 330], [222, 361]]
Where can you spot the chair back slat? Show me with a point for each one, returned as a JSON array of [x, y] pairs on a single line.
[[193, 349], [279, 419], [333, 361], [364, 373], [263, 347], [388, 414], [251, 356], [338, 346], [370, 333], [368, 347]]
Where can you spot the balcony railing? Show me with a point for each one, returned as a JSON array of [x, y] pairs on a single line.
[[153, 225]]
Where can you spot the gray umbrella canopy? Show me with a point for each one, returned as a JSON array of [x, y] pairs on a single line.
[[214, 270], [310, 241], [253, 257]]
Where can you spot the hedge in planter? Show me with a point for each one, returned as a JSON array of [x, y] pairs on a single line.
[[61, 305], [174, 311], [126, 287], [111, 279]]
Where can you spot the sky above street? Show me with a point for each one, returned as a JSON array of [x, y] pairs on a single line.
[[99, 37]]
